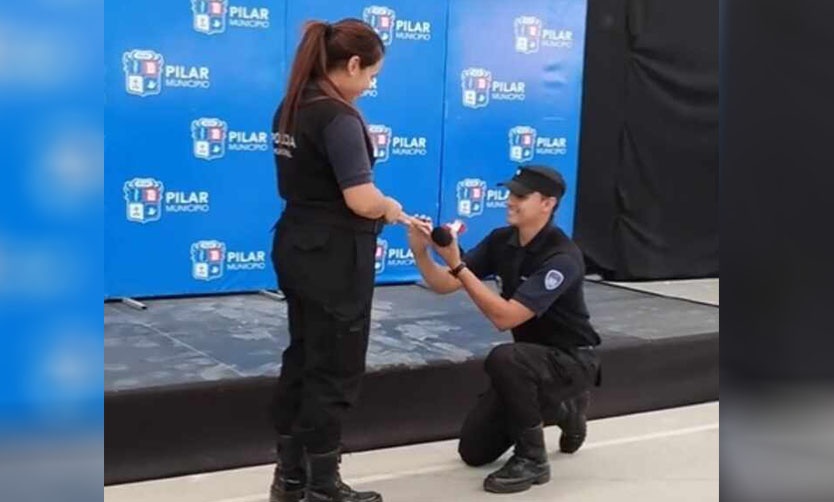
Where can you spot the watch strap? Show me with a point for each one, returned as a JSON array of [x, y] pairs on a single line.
[[457, 270]]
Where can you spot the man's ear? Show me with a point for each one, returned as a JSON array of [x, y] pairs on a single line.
[[550, 203]]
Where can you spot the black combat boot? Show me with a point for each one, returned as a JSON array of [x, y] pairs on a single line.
[[325, 484], [290, 473], [573, 422], [527, 467]]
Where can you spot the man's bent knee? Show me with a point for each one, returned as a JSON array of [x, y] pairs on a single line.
[[471, 456], [500, 359]]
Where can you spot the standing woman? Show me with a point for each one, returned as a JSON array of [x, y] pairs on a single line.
[[323, 254]]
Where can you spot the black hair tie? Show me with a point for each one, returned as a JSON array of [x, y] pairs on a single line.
[[328, 30]]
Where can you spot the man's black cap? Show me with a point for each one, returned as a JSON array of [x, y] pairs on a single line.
[[545, 180]]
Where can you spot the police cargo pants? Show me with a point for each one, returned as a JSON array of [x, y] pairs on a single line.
[[327, 275], [527, 383]]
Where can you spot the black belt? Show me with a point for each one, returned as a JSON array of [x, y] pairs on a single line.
[[305, 215]]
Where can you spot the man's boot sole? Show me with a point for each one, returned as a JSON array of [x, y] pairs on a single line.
[[570, 443], [293, 496], [518, 487], [313, 498], [573, 438]]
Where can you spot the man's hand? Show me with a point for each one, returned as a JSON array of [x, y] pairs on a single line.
[[450, 253], [419, 234], [419, 240]]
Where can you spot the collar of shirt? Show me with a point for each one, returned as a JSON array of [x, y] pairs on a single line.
[[536, 243]]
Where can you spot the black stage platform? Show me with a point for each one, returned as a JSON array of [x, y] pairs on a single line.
[[188, 381]]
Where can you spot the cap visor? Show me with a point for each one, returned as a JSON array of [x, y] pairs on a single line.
[[517, 188]]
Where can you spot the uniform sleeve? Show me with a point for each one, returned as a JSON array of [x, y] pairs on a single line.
[[546, 284], [344, 142], [479, 259]]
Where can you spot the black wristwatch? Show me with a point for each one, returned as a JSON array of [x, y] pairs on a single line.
[[457, 270]]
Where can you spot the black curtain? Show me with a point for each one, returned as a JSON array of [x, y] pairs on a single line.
[[648, 177]]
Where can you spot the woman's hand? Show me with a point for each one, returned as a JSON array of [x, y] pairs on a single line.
[[394, 212]]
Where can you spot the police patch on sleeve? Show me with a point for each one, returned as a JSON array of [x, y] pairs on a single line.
[[553, 279]]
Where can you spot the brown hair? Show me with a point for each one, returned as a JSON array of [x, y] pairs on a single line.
[[323, 47]]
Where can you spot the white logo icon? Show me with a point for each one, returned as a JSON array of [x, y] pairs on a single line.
[[553, 280]]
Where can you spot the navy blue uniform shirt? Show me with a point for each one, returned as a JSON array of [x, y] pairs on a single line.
[[546, 276]]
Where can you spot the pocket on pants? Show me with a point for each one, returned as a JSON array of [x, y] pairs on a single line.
[[310, 262], [565, 368], [294, 249], [351, 347], [563, 380], [306, 240], [591, 365]]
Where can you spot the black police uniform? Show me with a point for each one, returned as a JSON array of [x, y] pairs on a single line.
[[323, 254], [552, 357]]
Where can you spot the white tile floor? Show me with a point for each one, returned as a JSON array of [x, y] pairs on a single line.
[[658, 456]]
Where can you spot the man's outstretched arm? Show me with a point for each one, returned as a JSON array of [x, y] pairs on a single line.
[[437, 277], [503, 314], [532, 298]]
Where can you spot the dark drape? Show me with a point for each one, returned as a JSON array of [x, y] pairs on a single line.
[[648, 181]]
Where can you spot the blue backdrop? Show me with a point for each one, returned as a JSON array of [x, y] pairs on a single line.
[[467, 92], [513, 96], [191, 86]]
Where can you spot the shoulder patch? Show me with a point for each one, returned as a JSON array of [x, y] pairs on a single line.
[[553, 279]]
